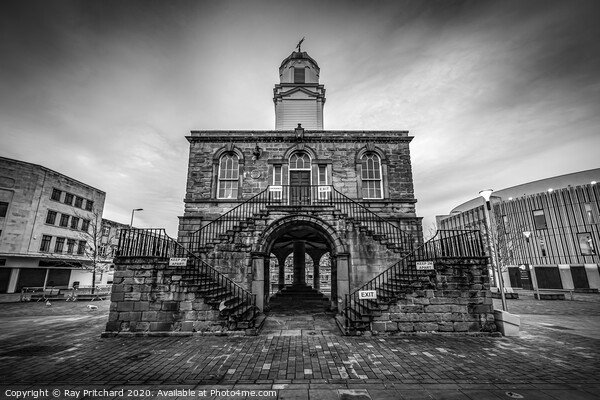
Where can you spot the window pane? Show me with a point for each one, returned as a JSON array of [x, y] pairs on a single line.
[[78, 202], [51, 217], [74, 222], [539, 219], [64, 220], [371, 176], [299, 75], [58, 246], [56, 194], [45, 246], [586, 244], [68, 198], [89, 205]]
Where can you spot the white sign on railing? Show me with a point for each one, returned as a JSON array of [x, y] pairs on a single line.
[[424, 265], [367, 294], [324, 189], [178, 261]]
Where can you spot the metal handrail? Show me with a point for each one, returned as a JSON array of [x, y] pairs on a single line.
[[156, 243], [299, 196], [403, 273]]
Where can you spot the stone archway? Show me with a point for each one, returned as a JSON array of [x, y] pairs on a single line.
[[300, 234]]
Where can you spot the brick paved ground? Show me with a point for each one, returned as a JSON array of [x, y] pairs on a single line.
[[59, 348]]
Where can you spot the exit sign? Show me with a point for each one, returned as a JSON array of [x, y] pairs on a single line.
[[367, 294]]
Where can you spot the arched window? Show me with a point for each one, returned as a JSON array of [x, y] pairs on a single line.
[[371, 176], [300, 160], [228, 177]]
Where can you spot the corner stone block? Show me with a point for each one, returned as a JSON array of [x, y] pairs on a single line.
[[140, 326], [160, 326], [378, 326], [117, 297], [150, 316], [461, 326], [125, 306], [426, 327], [406, 327], [113, 326]]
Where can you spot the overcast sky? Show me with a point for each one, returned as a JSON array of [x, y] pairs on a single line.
[[495, 93]]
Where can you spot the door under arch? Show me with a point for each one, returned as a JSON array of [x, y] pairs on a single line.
[[300, 236]]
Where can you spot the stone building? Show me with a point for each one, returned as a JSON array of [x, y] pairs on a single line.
[[301, 213], [43, 219], [308, 186]]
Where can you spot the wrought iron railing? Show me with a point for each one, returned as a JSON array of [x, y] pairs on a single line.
[[403, 274], [299, 196], [156, 243]]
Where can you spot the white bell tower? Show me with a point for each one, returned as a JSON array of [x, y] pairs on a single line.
[[298, 98]]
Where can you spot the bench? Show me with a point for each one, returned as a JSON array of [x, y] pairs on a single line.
[[85, 293], [40, 294], [549, 295]]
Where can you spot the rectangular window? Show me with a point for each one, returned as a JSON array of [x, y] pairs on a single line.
[[85, 225], [102, 251], [70, 246], [56, 194], [89, 205], [58, 246], [81, 247], [539, 219], [45, 246], [64, 220], [68, 198], [74, 222], [105, 231], [78, 202], [299, 75], [586, 244], [589, 214], [3, 209], [51, 217]]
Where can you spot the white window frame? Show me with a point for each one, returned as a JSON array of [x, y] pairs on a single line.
[[234, 181], [363, 179]]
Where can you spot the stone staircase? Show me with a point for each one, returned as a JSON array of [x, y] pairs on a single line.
[[395, 285], [235, 305]]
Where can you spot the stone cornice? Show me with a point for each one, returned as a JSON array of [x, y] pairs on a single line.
[[224, 136]]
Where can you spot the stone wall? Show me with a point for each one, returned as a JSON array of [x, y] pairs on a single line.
[[147, 296], [460, 302]]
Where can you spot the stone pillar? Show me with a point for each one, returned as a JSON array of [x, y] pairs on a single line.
[[258, 279], [316, 257], [343, 279], [299, 262], [281, 264]]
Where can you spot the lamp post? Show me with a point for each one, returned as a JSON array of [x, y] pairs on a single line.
[[133, 212], [486, 194]]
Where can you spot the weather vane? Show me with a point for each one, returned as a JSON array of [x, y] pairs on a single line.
[[299, 44]]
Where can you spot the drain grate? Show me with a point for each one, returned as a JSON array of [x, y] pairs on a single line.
[[139, 356], [514, 395]]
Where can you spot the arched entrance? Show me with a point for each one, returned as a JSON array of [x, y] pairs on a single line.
[[300, 236]]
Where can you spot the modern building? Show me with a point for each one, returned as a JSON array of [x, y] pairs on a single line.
[[46, 221], [545, 233]]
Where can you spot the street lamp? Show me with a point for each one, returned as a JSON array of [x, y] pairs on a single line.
[[527, 235], [486, 194], [133, 212]]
